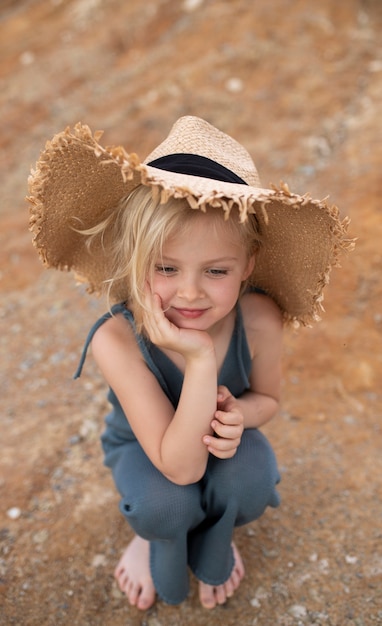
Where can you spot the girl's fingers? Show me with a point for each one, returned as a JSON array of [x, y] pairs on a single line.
[[154, 318], [223, 393], [227, 432], [222, 443], [228, 418], [222, 448]]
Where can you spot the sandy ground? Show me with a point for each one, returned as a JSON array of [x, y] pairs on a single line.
[[300, 84]]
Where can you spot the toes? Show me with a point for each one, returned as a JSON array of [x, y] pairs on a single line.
[[230, 587], [206, 596], [210, 596], [220, 594], [239, 565], [208, 602], [145, 600], [121, 579], [137, 595], [235, 580], [118, 572]]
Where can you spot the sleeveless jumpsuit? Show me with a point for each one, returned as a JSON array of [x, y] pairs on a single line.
[[192, 525]]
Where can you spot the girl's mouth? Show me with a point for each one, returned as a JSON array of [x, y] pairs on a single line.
[[190, 313]]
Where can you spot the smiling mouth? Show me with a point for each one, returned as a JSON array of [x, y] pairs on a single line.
[[190, 313]]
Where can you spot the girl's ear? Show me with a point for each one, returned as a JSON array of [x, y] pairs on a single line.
[[249, 267]]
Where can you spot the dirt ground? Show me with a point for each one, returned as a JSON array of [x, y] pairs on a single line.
[[300, 84]]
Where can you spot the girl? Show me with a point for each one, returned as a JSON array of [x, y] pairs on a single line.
[[195, 466], [191, 352]]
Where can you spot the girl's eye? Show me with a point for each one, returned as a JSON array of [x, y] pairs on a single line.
[[217, 272], [165, 269]]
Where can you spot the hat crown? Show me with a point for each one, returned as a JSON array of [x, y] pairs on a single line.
[[192, 135]]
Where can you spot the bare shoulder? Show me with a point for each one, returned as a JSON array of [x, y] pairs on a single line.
[[114, 336], [260, 312]]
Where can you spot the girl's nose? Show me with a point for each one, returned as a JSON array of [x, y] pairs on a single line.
[[189, 288]]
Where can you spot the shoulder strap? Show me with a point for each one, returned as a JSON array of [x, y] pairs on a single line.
[[143, 344], [117, 308], [237, 363]]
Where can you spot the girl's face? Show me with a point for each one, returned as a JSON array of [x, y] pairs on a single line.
[[200, 273]]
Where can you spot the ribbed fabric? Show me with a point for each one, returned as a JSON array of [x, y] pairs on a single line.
[[189, 526]]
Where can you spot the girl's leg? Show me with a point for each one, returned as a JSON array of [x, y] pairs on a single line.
[[161, 513], [235, 491]]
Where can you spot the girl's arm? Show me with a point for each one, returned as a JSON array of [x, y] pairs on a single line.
[[172, 439], [264, 327]]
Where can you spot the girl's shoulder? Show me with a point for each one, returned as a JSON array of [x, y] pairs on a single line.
[[260, 313], [117, 331]]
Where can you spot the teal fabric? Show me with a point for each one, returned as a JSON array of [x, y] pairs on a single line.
[[188, 526], [234, 372]]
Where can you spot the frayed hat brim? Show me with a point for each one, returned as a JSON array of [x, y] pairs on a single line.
[[77, 183]]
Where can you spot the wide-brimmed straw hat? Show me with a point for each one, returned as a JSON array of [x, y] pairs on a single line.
[[77, 183]]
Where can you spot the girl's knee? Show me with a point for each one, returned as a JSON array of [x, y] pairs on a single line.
[[257, 489], [247, 482], [163, 515]]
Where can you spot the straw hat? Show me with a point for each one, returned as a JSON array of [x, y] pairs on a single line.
[[77, 183]]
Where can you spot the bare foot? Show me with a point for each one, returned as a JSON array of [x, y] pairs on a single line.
[[210, 595], [133, 574]]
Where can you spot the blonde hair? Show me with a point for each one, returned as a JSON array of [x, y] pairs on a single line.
[[137, 231]]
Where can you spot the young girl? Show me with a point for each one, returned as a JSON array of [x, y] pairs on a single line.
[[192, 349]]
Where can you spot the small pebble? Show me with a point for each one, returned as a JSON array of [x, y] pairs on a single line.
[[41, 536], [117, 593], [14, 512], [27, 58], [261, 593], [153, 621], [191, 5], [74, 440], [323, 566], [352, 560], [270, 554], [234, 85], [298, 611], [99, 560]]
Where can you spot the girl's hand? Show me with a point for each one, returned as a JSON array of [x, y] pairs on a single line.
[[228, 425], [164, 334]]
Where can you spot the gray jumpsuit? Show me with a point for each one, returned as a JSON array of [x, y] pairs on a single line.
[[192, 525]]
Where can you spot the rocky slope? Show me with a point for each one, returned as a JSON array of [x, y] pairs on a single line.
[[300, 84]]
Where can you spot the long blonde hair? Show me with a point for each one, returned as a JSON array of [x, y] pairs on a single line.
[[137, 231]]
